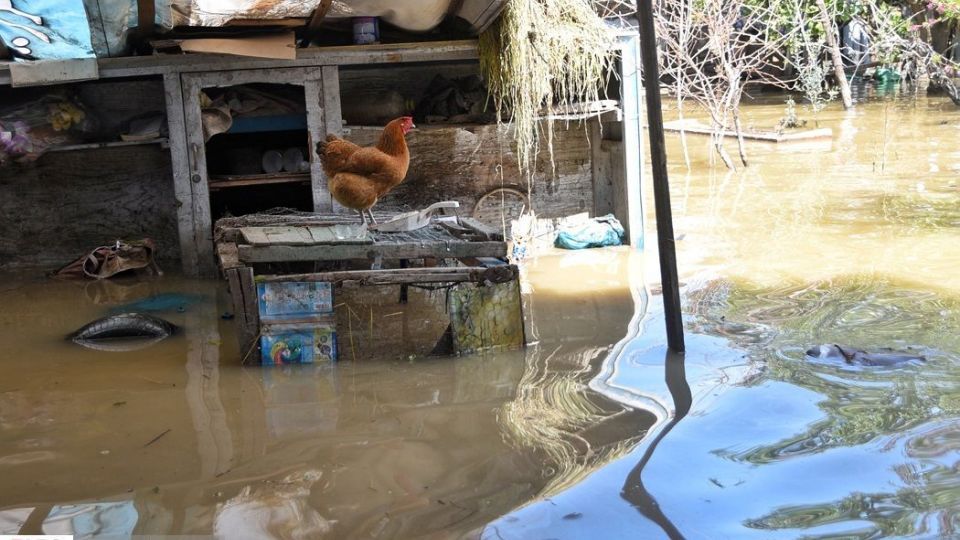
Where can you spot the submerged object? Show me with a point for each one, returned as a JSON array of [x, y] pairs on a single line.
[[273, 509], [123, 332], [886, 358], [161, 302]]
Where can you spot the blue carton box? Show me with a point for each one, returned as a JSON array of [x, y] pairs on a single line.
[[300, 343], [292, 301]]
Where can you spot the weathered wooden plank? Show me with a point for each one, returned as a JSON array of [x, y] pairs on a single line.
[[47, 72], [485, 231], [140, 66], [183, 192], [603, 196], [102, 145], [316, 128], [397, 276], [234, 77], [202, 225], [228, 255], [412, 250], [235, 289], [256, 180], [332, 125], [251, 333], [306, 236], [691, 125]]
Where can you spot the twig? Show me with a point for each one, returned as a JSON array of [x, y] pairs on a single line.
[[253, 346], [157, 438]]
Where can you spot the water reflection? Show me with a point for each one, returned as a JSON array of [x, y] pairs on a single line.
[[849, 243], [894, 420], [192, 443], [633, 489]]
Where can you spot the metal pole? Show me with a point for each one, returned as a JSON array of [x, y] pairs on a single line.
[[661, 185]]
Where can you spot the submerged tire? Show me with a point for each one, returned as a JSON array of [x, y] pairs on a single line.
[[129, 327]]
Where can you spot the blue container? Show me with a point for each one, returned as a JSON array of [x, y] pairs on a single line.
[[288, 301], [366, 30], [298, 343]]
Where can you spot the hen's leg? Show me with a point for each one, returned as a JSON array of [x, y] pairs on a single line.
[[363, 218], [370, 213]]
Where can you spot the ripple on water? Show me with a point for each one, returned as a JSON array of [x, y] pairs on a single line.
[[860, 405]]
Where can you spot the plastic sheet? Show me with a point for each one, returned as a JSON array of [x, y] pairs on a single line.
[[68, 29], [414, 15], [596, 232]]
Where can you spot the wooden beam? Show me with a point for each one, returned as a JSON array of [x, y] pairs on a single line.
[[228, 256], [246, 313], [412, 250], [319, 14], [481, 229], [196, 171], [400, 276], [323, 117], [395, 53], [47, 72]]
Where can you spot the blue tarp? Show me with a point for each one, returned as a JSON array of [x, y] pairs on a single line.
[[74, 28]]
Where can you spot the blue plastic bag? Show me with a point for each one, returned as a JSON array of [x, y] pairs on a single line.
[[597, 232]]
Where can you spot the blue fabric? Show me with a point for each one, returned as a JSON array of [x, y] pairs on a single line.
[[596, 232], [76, 28]]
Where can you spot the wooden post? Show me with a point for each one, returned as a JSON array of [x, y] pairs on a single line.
[[243, 292], [196, 174], [628, 202], [181, 173], [661, 185]]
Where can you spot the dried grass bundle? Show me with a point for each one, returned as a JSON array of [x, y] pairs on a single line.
[[543, 53]]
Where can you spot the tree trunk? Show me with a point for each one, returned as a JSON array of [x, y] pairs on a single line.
[[834, 46], [740, 144], [721, 151]]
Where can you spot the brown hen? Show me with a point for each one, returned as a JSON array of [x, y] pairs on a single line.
[[359, 176]]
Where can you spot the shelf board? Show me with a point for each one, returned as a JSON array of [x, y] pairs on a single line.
[[221, 182], [350, 55], [111, 144]]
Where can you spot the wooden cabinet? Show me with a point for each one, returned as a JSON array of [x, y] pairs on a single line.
[[321, 90]]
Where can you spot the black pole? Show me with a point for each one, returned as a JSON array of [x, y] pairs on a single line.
[[661, 185]]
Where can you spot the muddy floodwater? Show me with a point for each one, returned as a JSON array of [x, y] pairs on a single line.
[[596, 431]]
